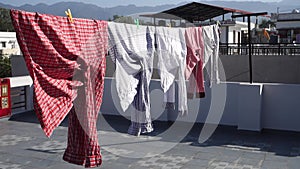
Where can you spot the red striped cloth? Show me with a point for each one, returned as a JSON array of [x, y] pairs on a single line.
[[67, 64]]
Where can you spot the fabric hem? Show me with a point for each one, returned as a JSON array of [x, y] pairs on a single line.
[[86, 161], [200, 95]]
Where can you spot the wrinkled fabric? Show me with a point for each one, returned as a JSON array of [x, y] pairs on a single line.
[[205, 54], [131, 48], [194, 61], [211, 52], [171, 52], [169, 98], [67, 64], [169, 95]]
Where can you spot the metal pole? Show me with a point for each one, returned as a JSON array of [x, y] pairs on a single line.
[[250, 52], [249, 37]]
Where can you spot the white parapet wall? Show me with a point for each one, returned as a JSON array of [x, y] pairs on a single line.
[[247, 106], [26, 83], [281, 107]]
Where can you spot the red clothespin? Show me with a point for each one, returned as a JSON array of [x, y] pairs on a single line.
[[69, 15]]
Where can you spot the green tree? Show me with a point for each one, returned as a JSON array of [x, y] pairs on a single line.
[[265, 23], [5, 66], [5, 21], [123, 19], [115, 17]]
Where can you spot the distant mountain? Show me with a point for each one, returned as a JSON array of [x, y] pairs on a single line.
[[83, 10]]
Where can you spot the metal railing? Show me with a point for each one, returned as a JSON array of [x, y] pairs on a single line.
[[260, 49]]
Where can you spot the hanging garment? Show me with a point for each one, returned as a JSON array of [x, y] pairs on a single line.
[[171, 52], [67, 64], [211, 52], [209, 47], [131, 48], [169, 97], [194, 61]]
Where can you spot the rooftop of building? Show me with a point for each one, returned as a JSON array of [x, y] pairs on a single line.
[[24, 145]]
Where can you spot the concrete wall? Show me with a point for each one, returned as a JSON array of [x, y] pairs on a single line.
[[21, 78], [266, 69], [281, 107], [24, 82], [247, 106], [18, 66]]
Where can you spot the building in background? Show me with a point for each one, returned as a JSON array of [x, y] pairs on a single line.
[[234, 31], [9, 44], [288, 26]]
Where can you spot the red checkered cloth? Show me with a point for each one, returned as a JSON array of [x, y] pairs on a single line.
[[67, 64]]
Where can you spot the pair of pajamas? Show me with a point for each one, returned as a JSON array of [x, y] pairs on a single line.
[[131, 48], [203, 51], [211, 52], [66, 61], [194, 61], [171, 53]]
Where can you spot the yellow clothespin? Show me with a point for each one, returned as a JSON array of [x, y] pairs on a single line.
[[69, 15]]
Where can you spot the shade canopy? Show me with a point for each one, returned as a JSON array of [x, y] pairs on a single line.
[[195, 12]]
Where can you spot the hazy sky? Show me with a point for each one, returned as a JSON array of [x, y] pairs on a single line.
[[110, 3]]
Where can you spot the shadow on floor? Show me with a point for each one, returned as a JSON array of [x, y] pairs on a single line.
[[282, 143]]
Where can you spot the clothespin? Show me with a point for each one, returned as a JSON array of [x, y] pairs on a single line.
[[69, 15], [137, 22]]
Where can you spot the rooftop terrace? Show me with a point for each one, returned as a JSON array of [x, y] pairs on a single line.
[[24, 145]]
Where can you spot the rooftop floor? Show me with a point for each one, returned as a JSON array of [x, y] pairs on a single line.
[[24, 145]]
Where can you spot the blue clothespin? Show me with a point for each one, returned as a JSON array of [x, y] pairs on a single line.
[[137, 22]]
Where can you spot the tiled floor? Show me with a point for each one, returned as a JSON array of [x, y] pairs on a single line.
[[24, 145]]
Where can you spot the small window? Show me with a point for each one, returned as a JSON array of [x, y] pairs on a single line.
[[3, 44]]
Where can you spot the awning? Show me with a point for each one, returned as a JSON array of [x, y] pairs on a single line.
[[195, 12]]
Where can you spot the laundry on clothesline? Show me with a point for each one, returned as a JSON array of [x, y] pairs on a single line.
[[67, 64], [202, 51], [171, 53], [131, 48], [66, 60]]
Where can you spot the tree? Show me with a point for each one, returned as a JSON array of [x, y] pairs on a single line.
[[265, 23], [5, 65], [123, 19], [5, 21]]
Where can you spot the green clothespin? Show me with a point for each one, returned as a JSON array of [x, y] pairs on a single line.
[[137, 22]]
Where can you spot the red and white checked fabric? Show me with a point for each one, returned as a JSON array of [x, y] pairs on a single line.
[[67, 64]]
